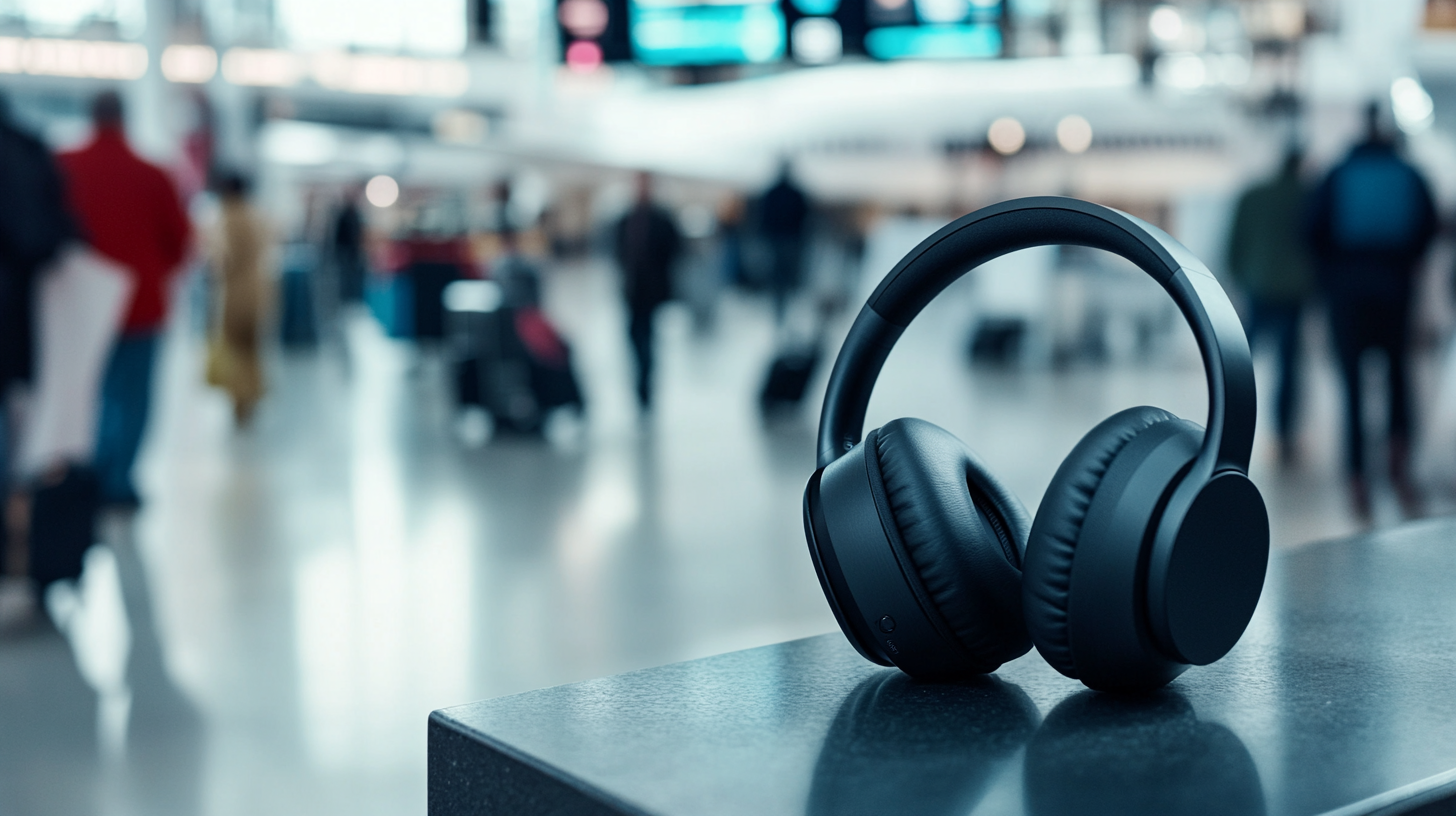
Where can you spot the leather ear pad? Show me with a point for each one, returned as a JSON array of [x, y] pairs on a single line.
[[1047, 571], [968, 562]]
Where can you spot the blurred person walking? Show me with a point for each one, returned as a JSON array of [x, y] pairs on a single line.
[[129, 212], [238, 253], [34, 225], [784, 214], [347, 247], [1268, 257], [1369, 223], [648, 243]]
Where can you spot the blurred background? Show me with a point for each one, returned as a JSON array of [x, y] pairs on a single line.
[[412, 353]]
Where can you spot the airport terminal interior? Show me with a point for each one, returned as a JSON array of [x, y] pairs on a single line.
[[430, 471]]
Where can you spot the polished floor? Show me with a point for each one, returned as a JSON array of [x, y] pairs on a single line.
[[269, 632]]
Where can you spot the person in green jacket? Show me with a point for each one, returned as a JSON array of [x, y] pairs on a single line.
[[1267, 257]]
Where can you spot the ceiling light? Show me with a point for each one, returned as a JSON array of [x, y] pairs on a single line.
[[194, 64], [1166, 23], [262, 67]]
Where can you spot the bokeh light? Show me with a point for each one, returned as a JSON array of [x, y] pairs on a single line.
[[1074, 134], [193, 64], [1006, 136], [817, 40], [583, 56], [1166, 23], [1414, 110], [382, 191], [584, 18]]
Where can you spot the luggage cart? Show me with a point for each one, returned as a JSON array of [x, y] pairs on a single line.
[[491, 367]]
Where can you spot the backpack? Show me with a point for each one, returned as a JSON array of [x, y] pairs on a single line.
[[1377, 204]]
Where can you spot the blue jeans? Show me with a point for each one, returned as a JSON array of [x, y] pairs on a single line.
[[126, 400]]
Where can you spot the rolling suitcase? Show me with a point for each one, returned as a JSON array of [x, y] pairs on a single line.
[[298, 320], [63, 526], [428, 282], [788, 377]]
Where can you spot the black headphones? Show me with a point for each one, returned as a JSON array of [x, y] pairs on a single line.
[[1149, 549]]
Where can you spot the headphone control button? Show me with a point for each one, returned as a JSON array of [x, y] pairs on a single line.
[[887, 624]]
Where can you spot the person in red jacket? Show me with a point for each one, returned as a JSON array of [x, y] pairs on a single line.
[[129, 211]]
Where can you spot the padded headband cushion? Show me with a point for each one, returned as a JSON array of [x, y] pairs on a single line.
[[1047, 570], [970, 572]]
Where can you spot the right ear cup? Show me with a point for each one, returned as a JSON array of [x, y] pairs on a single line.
[[1047, 568], [962, 531]]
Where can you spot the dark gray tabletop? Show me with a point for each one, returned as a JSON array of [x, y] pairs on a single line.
[[1340, 698]]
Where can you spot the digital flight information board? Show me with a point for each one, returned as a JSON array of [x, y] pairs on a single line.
[[932, 29], [812, 32], [682, 32]]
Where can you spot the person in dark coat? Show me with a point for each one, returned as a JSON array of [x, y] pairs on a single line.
[[1369, 224], [1267, 256], [648, 244], [34, 224], [784, 213], [347, 244]]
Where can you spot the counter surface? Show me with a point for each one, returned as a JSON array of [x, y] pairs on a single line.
[[1341, 697]]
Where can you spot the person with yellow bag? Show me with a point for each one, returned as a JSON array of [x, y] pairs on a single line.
[[238, 253]]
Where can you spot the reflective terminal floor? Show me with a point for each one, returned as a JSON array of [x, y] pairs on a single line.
[[269, 632]]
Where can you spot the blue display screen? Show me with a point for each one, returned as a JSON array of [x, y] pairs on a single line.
[[929, 29], [667, 33], [819, 8], [811, 32], [939, 41]]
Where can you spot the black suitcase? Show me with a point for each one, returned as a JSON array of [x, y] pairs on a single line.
[[788, 377], [467, 381], [555, 387], [428, 281], [63, 526]]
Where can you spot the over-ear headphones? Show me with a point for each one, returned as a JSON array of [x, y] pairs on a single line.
[[1148, 552]]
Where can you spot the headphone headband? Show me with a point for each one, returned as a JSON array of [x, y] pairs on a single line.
[[1001, 228]]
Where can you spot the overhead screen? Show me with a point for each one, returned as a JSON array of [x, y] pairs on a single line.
[[679, 32], [932, 29], [693, 33]]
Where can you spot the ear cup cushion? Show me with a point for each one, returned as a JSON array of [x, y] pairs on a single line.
[[1047, 568], [934, 487]]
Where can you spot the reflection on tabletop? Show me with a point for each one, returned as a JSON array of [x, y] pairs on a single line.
[[1104, 753], [898, 745]]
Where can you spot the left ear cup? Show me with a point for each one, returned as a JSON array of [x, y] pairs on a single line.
[[963, 532], [1051, 547]]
